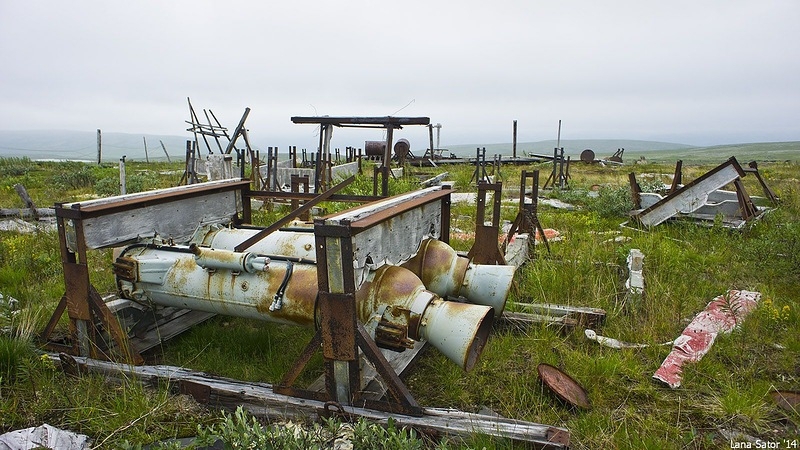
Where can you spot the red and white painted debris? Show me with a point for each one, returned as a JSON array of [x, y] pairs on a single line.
[[720, 316]]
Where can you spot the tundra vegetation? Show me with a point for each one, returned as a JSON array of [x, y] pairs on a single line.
[[685, 266]]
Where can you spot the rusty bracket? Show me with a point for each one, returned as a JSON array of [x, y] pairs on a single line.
[[486, 249], [636, 191], [752, 167], [677, 179]]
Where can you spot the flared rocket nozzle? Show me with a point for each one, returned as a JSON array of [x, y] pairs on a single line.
[[443, 271]]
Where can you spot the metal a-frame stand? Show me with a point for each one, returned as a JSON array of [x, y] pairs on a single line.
[[340, 336], [527, 220], [94, 331], [560, 174], [486, 250], [389, 123], [479, 175]]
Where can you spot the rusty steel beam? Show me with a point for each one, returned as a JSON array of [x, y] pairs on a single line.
[[385, 121], [311, 195], [95, 208]]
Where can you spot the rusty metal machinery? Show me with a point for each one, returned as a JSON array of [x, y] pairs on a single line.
[[353, 279], [392, 303], [440, 268]]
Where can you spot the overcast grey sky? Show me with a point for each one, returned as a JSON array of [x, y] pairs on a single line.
[[694, 72]]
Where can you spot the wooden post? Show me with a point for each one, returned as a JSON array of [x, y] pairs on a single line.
[[165, 150], [146, 158], [99, 146], [430, 138], [23, 194], [387, 162], [558, 143], [514, 142], [122, 176]]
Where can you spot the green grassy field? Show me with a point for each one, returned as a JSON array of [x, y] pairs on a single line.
[[686, 266]]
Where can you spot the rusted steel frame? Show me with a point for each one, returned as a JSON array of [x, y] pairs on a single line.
[[552, 176], [51, 325], [746, 206], [111, 324], [381, 216], [247, 208], [486, 249], [286, 385], [384, 121], [336, 284], [311, 195], [82, 301], [295, 182], [752, 167], [338, 314], [76, 285], [534, 209], [527, 220], [406, 404], [636, 191], [76, 211], [677, 179], [342, 335], [297, 212], [67, 257]]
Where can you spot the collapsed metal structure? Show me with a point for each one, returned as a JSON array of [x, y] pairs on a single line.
[[703, 198]]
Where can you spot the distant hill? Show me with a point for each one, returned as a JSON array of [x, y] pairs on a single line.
[[758, 151], [650, 150], [82, 145]]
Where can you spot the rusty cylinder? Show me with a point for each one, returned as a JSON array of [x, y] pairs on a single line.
[[445, 272], [392, 303], [437, 264], [374, 148]]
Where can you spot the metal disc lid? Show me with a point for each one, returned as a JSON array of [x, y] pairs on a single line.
[[564, 386]]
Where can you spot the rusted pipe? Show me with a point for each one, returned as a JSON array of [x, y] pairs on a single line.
[[209, 258], [437, 264], [392, 303]]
